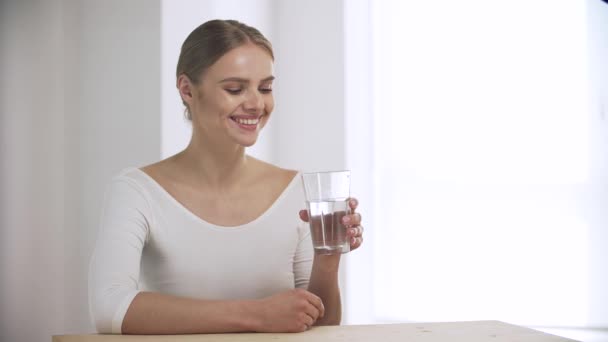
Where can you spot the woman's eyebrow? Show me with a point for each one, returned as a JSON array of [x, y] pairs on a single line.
[[243, 80]]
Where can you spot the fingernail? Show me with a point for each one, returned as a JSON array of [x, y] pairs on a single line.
[[352, 231], [346, 219]]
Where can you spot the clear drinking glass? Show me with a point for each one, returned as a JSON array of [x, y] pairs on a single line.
[[327, 195]]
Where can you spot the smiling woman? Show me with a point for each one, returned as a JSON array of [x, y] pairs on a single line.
[[209, 239], [242, 101], [218, 37]]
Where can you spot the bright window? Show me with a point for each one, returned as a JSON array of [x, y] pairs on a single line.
[[480, 155]]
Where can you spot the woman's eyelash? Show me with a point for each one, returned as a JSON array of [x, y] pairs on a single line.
[[238, 91]]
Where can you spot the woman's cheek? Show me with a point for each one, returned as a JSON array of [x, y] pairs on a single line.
[[269, 105]]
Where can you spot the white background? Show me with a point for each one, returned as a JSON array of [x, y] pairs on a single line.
[[486, 185], [88, 89]]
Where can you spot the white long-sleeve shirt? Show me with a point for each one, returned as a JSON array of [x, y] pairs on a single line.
[[148, 241]]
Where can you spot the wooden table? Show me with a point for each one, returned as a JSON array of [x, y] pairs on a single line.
[[427, 332]]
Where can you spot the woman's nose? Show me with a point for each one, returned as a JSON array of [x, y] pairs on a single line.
[[254, 102]]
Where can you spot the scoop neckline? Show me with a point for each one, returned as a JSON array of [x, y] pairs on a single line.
[[200, 220]]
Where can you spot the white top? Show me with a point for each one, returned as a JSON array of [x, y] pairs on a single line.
[[148, 241]]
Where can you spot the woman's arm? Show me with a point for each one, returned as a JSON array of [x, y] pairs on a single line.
[[324, 273], [154, 313], [324, 283]]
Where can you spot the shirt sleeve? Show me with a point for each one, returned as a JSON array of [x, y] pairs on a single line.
[[302, 265], [115, 265]]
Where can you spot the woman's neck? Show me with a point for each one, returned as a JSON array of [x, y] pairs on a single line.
[[215, 164]]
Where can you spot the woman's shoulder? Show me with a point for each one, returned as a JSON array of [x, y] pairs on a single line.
[[140, 179], [157, 169], [130, 180], [129, 174], [165, 173], [273, 173], [127, 189]]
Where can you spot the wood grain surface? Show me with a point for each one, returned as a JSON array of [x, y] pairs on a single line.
[[425, 332]]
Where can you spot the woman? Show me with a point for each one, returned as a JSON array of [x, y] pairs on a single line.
[[212, 232]]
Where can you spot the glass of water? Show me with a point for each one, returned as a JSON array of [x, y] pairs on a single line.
[[327, 195]]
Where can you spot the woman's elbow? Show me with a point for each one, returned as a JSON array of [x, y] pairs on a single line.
[[102, 321], [107, 311]]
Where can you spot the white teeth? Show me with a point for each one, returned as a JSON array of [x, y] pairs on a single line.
[[247, 121]]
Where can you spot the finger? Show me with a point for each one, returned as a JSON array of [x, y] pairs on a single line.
[[312, 312], [353, 203], [317, 303], [355, 219], [305, 323], [355, 231], [304, 215], [309, 321], [351, 220], [355, 242]]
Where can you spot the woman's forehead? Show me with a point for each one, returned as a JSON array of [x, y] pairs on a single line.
[[248, 61]]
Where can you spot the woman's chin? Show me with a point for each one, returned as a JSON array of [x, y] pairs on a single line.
[[249, 144], [244, 135], [246, 141]]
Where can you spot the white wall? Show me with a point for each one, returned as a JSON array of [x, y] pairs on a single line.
[[309, 112], [31, 163], [598, 236], [80, 100]]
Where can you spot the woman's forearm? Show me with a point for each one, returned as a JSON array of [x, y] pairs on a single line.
[[324, 283], [155, 313]]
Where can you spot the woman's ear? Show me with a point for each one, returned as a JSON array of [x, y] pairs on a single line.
[[185, 88]]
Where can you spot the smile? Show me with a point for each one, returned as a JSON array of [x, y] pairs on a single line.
[[247, 124], [244, 121]]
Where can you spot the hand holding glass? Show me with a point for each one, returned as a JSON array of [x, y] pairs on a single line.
[[327, 195]]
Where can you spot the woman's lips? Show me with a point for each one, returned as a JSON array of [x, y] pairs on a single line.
[[247, 123]]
